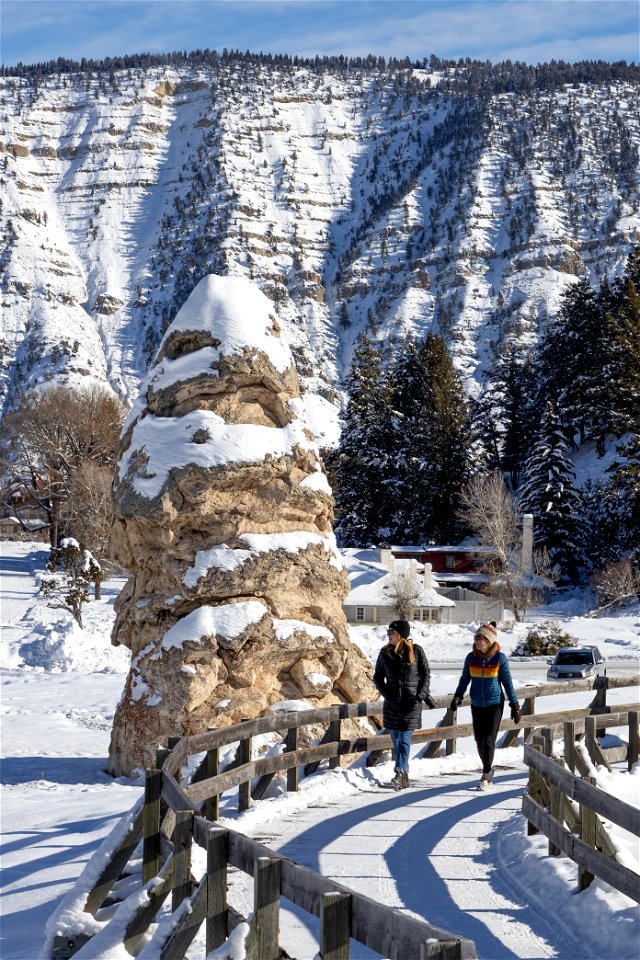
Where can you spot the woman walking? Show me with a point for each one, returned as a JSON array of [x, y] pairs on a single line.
[[403, 678], [488, 670]]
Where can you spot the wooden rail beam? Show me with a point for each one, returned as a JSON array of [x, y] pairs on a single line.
[[606, 805], [624, 880], [112, 870]]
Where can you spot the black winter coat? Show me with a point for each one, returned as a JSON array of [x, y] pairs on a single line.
[[404, 687]]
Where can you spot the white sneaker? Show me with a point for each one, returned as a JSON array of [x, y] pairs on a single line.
[[484, 785]]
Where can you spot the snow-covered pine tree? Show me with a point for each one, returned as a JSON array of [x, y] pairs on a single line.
[[625, 486], [569, 367], [445, 438], [362, 466], [413, 510], [502, 414], [604, 511], [623, 337], [548, 492]]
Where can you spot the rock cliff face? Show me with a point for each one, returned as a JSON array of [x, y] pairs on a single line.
[[235, 596], [375, 198]]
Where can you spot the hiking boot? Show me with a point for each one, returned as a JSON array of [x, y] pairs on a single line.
[[405, 779], [486, 780], [397, 782]]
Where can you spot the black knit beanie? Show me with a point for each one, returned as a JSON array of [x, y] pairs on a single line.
[[402, 627]]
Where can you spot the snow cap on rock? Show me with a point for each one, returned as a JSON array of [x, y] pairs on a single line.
[[236, 315]]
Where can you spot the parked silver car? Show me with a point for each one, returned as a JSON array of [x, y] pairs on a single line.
[[576, 663]]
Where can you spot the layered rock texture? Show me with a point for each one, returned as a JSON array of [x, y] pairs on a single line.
[[362, 197], [235, 596]]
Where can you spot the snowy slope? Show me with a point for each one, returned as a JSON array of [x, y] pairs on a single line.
[[365, 198]]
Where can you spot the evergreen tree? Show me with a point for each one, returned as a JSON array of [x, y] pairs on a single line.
[[503, 413], [432, 443], [412, 512], [570, 370], [548, 492], [604, 510], [362, 465], [623, 337]]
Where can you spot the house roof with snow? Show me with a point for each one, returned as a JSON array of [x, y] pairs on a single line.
[[373, 584]]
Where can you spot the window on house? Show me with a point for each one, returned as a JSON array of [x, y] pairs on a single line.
[[450, 561], [360, 614]]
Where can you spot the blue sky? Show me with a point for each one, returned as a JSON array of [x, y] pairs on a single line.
[[530, 30]]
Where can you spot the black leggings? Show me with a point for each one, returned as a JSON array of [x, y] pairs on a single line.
[[486, 722]]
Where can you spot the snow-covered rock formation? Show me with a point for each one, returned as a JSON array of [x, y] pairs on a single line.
[[235, 596]]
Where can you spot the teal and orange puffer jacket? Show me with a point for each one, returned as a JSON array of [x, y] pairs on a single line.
[[489, 673]]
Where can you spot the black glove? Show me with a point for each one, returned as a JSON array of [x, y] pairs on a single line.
[[429, 701], [515, 712], [455, 703]]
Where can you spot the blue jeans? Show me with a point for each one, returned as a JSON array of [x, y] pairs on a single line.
[[401, 740]]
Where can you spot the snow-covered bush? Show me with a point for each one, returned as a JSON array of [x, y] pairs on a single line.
[[80, 570], [542, 639]]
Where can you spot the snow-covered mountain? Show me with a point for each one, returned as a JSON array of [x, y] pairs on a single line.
[[360, 196]]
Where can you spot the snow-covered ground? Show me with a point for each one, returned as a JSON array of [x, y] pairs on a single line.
[[441, 850]]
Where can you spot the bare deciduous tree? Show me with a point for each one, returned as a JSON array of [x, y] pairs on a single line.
[[50, 438], [616, 584], [403, 591], [491, 511]]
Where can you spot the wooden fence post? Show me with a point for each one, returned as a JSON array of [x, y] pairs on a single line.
[[335, 926], [151, 856], [266, 908], [211, 806], [182, 836], [217, 913], [291, 745], [599, 702], [334, 732], [173, 742], [528, 710], [556, 809], [569, 729], [634, 738], [533, 786], [588, 834], [590, 737], [450, 746], [244, 756]]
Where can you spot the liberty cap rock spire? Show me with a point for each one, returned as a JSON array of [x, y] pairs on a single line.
[[234, 599]]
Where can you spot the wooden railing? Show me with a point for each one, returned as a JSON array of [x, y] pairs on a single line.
[[175, 815], [553, 787]]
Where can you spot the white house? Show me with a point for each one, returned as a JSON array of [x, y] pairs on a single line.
[[377, 577], [376, 580]]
